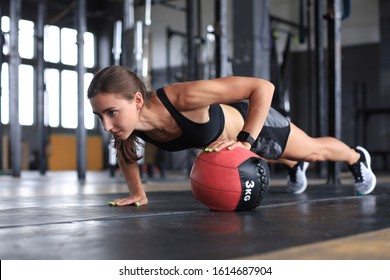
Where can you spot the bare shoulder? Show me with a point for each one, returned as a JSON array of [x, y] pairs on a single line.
[[191, 95], [202, 93]]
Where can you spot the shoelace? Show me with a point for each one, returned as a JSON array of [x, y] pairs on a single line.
[[357, 172]]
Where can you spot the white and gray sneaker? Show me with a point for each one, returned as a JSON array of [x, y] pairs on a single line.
[[365, 179], [296, 179]]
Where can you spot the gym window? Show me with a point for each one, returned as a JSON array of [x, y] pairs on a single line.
[[60, 51]]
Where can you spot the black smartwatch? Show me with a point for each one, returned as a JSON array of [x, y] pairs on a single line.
[[244, 136]]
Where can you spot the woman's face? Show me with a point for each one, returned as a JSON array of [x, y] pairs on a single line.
[[118, 115]]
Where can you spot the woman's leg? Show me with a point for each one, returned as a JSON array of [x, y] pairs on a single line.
[[301, 147]]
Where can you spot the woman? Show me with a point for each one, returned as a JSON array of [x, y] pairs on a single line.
[[209, 115]]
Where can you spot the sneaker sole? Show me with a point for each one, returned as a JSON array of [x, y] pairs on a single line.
[[368, 159]]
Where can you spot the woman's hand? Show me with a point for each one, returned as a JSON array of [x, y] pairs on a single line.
[[226, 144], [133, 180], [136, 200]]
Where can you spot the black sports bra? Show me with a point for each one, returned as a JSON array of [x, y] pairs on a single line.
[[194, 135]]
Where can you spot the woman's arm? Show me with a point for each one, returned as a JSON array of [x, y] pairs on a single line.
[[189, 96], [133, 179]]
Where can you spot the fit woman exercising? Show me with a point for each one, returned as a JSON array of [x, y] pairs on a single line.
[[210, 115]]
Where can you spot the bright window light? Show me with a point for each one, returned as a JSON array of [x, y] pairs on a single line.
[[5, 28], [52, 44], [69, 46], [89, 50], [4, 94], [52, 97], [60, 99], [26, 94], [89, 117], [69, 99], [26, 39]]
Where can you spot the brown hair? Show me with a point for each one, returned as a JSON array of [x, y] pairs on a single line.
[[120, 80]]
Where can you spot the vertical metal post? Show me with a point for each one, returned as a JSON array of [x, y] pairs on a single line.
[[310, 76], [1, 68], [146, 45], [320, 80], [14, 125], [384, 61], [138, 46], [221, 41], [168, 54], [262, 38], [334, 70], [117, 42], [81, 131], [191, 52], [252, 49], [128, 35], [39, 87]]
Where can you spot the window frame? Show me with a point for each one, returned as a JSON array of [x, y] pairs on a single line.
[[90, 69]]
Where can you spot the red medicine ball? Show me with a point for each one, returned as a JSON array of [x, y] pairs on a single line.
[[229, 180]]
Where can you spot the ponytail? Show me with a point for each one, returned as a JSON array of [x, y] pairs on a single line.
[[127, 150]]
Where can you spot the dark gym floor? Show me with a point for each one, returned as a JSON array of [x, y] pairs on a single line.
[[57, 217]]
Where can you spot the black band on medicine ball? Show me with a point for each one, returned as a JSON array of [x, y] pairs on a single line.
[[254, 177]]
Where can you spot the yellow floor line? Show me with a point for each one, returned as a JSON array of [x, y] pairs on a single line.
[[373, 245]]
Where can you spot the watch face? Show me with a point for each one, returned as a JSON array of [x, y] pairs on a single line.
[[244, 136]]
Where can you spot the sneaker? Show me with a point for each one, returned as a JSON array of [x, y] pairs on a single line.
[[365, 179], [296, 180]]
